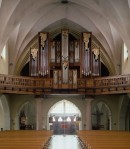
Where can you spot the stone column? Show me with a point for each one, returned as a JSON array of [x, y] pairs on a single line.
[[39, 113], [89, 114]]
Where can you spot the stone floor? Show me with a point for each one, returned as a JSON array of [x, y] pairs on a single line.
[[65, 142]]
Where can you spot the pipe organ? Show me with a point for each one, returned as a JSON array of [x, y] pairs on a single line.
[[86, 54], [90, 57], [43, 54], [65, 58], [34, 62]]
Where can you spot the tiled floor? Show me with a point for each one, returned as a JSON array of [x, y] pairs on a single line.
[[64, 142]]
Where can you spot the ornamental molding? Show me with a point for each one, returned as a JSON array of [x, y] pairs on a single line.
[[86, 37], [43, 39], [96, 52], [34, 53]]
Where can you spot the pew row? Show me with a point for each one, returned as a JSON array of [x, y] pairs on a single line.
[[27, 139], [96, 139]]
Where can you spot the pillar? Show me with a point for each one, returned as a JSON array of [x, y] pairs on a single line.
[[39, 113], [89, 114]]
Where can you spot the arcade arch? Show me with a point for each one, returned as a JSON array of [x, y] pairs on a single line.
[[124, 113], [27, 116], [101, 116], [64, 117], [4, 113]]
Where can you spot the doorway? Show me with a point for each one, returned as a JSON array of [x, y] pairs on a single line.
[[64, 118]]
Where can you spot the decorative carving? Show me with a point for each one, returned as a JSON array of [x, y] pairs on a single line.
[[43, 39], [96, 53], [65, 64], [34, 53], [86, 37], [65, 34]]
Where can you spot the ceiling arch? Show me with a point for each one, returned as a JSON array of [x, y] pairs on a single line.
[[21, 20]]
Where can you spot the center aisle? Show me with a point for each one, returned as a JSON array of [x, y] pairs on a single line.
[[64, 142]]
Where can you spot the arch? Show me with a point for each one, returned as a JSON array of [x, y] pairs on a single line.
[[5, 113], [101, 116], [124, 113], [62, 113], [29, 109], [73, 106]]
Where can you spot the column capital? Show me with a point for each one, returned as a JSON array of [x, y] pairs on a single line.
[[39, 96], [89, 99]]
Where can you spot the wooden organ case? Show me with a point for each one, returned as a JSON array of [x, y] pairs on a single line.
[[65, 59]]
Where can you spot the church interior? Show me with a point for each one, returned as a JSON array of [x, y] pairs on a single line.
[[64, 72]]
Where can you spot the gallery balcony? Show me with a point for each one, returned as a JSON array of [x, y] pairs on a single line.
[[86, 86]]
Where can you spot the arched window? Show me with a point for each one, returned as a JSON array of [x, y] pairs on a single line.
[[0, 2], [125, 52], [3, 54]]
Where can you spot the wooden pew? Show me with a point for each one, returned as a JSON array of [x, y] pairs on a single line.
[[105, 139], [28, 139]]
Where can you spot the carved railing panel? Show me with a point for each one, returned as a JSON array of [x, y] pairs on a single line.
[[93, 86], [122, 80]]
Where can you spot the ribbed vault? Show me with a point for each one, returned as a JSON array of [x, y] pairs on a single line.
[[21, 20]]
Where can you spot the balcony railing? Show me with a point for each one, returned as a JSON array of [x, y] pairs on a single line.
[[88, 86]]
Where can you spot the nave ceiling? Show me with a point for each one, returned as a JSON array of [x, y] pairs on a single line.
[[21, 20]]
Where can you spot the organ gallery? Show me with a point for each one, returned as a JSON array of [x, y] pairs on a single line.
[[65, 58]]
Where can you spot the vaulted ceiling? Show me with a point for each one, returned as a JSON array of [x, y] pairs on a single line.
[[21, 20]]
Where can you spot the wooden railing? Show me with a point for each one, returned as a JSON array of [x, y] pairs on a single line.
[[109, 85], [24, 85], [88, 86]]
